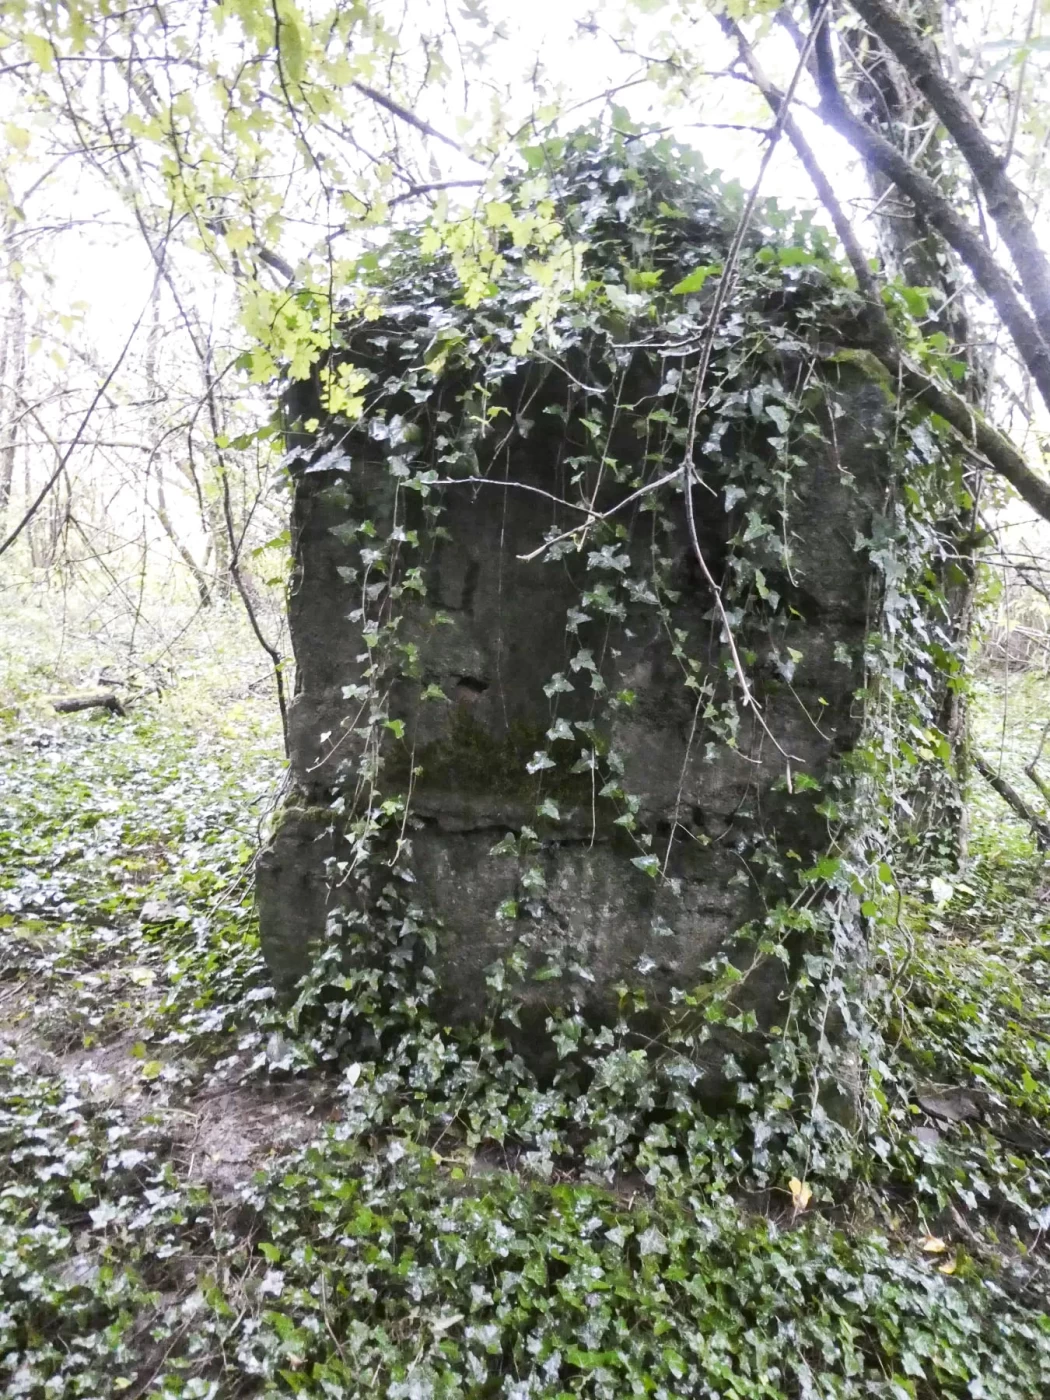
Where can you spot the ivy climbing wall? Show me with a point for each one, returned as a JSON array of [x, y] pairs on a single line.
[[559, 740]]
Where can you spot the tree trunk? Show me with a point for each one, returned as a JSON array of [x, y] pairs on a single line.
[[155, 462], [917, 254], [12, 377]]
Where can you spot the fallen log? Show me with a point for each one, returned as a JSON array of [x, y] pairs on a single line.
[[1010, 795], [105, 700]]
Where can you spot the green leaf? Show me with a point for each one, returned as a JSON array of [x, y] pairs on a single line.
[[498, 214], [695, 280], [17, 137], [826, 868], [40, 50], [291, 48]]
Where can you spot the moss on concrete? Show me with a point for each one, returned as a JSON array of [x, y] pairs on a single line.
[[470, 760]]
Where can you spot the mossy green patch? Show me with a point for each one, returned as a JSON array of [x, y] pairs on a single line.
[[471, 761]]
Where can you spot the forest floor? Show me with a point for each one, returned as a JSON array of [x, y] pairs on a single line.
[[203, 1195]]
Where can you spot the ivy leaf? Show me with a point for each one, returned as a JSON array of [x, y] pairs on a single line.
[[651, 1241], [734, 494], [943, 892], [757, 528], [539, 761]]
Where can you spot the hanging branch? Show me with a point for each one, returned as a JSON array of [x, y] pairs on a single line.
[[722, 293]]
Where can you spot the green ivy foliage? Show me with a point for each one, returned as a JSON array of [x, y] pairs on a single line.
[[449, 1225], [442, 366]]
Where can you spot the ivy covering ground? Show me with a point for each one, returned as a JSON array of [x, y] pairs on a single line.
[[443, 1225]]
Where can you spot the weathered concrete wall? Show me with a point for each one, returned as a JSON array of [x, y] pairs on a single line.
[[490, 633]]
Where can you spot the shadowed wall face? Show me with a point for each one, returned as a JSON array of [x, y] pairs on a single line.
[[538, 698]]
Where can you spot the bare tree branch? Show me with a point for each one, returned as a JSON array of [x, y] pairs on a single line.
[[85, 420], [823, 186], [381, 100], [937, 210], [1003, 198], [995, 448]]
